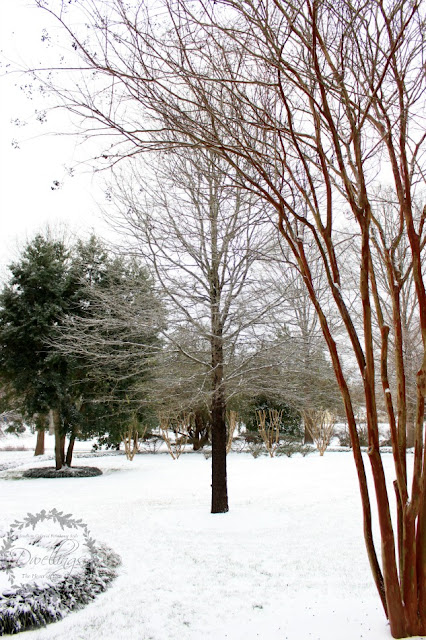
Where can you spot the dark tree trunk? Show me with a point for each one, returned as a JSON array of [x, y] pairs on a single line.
[[39, 448], [70, 449], [218, 403], [219, 478], [218, 412], [59, 441]]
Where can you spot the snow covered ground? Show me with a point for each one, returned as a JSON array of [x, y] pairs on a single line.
[[287, 562]]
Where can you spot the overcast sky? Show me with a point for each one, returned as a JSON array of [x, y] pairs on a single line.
[[30, 166]]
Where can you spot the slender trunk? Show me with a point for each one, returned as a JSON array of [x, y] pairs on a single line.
[[59, 440], [421, 561], [347, 401], [39, 449], [70, 449], [395, 604], [307, 439]]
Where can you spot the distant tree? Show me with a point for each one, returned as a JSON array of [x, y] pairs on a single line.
[[111, 335], [203, 239], [289, 422], [32, 303], [300, 373]]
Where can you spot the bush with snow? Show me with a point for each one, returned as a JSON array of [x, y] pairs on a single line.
[[37, 604]]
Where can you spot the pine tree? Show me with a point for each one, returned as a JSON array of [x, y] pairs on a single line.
[[31, 305]]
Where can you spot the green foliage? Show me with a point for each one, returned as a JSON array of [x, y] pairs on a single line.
[[52, 290], [290, 424], [31, 304], [114, 365], [290, 446], [107, 423]]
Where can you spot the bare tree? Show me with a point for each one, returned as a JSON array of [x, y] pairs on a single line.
[[202, 236], [269, 429], [303, 375], [306, 101], [321, 426], [394, 286], [111, 333]]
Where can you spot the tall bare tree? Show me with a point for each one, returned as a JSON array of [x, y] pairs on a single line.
[[202, 237], [306, 101]]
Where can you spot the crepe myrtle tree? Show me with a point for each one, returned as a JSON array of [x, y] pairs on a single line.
[[305, 101], [394, 287]]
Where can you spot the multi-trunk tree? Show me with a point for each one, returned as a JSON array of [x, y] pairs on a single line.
[[303, 374], [307, 102]]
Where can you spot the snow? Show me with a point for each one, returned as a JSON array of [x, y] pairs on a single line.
[[287, 562]]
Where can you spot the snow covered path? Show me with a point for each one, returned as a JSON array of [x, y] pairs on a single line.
[[287, 562]]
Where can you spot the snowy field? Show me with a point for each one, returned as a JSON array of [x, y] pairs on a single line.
[[287, 562]]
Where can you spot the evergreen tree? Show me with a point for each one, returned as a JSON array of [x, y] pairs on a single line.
[[38, 293], [111, 336], [76, 338]]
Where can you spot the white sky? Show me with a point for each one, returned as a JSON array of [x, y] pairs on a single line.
[[27, 202]]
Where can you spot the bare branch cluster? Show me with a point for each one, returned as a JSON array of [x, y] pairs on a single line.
[[320, 424], [175, 433], [269, 428]]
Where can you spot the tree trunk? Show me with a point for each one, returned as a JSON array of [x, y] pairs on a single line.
[[59, 440], [307, 438], [218, 412], [39, 449], [219, 476], [70, 449]]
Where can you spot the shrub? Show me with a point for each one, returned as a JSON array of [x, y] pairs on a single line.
[[290, 420]]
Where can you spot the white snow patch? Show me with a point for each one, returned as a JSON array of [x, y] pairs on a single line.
[[288, 561]]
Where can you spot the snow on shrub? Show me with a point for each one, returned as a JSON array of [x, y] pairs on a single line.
[[37, 604]]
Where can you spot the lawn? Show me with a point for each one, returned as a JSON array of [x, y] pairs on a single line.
[[287, 562]]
